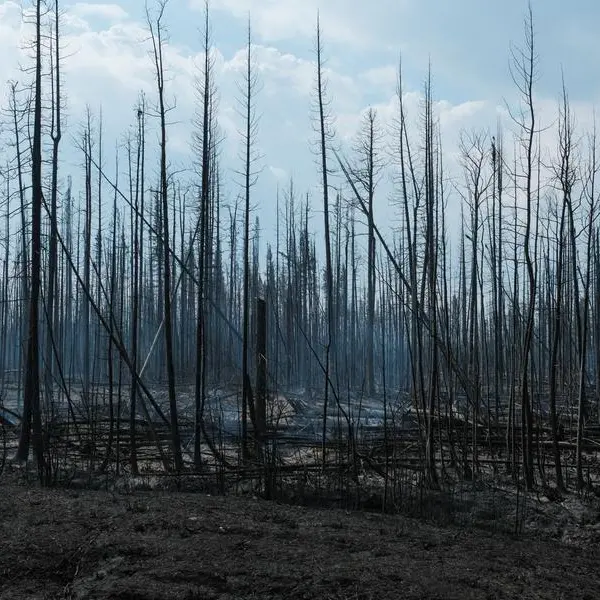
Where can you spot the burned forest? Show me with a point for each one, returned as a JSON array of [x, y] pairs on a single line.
[[417, 331]]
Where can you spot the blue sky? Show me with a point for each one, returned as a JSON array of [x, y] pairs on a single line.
[[467, 42]]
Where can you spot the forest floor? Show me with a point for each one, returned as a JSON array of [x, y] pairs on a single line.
[[67, 544]]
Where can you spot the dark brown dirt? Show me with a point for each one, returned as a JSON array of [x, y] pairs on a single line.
[[159, 545]]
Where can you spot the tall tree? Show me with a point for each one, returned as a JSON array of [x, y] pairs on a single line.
[[137, 211], [32, 414], [248, 89], [590, 196], [524, 72], [565, 175], [474, 156], [157, 36], [367, 173], [205, 147], [324, 128], [56, 135]]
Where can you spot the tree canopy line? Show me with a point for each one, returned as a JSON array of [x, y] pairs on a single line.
[[122, 281]]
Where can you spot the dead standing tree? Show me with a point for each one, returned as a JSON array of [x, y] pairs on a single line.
[[56, 135], [367, 172], [248, 89], [565, 178], [589, 193], [474, 158], [204, 145], [324, 129], [524, 73], [32, 414], [157, 32], [136, 186]]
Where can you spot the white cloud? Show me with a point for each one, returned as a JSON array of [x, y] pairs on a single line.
[[13, 33], [279, 173], [384, 77], [283, 72], [118, 53], [459, 113], [111, 12], [343, 21], [106, 63]]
